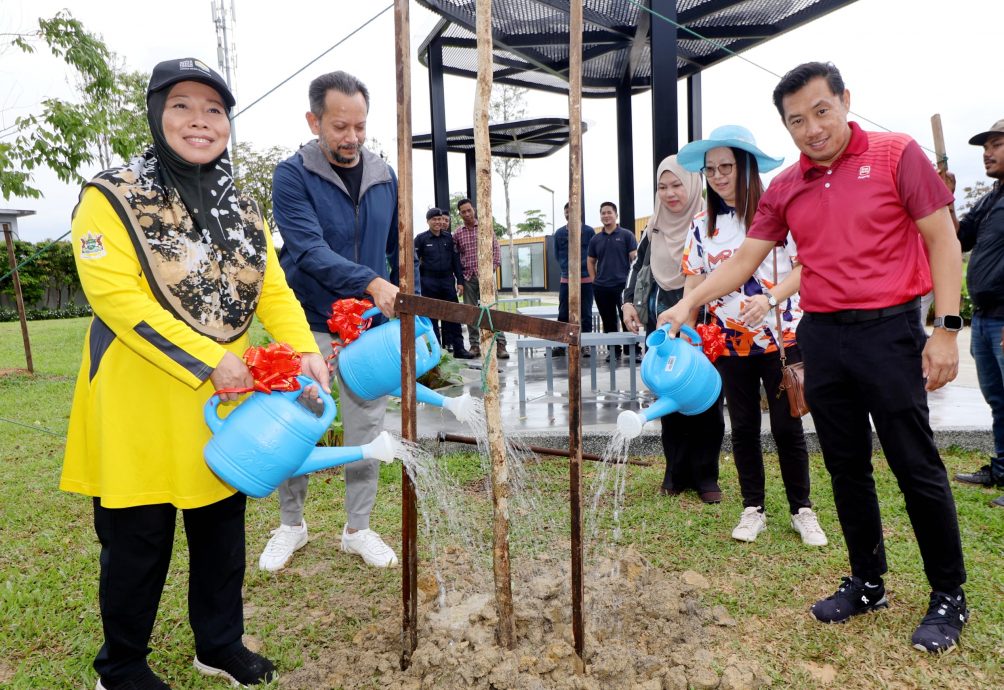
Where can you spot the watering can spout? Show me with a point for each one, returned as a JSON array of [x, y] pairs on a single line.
[[463, 407], [630, 423], [380, 448], [660, 408]]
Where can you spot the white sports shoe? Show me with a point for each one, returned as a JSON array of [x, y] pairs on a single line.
[[370, 546], [280, 548], [752, 522], [805, 523]]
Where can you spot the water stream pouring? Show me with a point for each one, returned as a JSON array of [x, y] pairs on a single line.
[[679, 374], [371, 365], [270, 438]]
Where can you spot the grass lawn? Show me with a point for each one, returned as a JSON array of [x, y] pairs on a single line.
[[48, 564]]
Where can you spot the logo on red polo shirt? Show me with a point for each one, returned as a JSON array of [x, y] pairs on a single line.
[[864, 172]]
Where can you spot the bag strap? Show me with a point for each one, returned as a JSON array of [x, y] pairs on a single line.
[[779, 335]]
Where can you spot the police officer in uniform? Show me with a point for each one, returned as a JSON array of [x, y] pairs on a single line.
[[442, 277]]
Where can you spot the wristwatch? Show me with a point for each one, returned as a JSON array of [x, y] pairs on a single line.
[[950, 322], [771, 300]]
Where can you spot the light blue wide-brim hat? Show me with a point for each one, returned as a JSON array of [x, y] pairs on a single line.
[[691, 156]]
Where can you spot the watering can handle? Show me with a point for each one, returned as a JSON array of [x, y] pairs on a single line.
[[694, 336], [213, 420], [370, 313]]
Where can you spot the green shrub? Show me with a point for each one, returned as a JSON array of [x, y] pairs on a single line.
[[33, 314]]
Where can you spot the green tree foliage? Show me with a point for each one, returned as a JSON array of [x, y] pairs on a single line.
[[534, 225], [108, 123], [34, 275], [48, 271], [118, 117], [254, 174]]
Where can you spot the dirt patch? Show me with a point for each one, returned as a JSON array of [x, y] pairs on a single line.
[[646, 629]]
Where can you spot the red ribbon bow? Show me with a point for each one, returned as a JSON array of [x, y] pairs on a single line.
[[712, 339], [346, 319], [274, 367]]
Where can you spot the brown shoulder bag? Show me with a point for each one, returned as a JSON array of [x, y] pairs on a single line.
[[792, 375]]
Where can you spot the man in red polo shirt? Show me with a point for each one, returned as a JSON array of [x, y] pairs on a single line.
[[863, 206]]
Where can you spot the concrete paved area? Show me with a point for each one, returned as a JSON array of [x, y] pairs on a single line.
[[959, 414]]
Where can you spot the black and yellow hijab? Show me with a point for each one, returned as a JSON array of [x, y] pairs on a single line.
[[201, 243]]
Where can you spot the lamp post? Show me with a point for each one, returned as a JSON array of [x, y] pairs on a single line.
[[548, 189]]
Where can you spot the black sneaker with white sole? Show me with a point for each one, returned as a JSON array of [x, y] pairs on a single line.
[[141, 680], [941, 627], [239, 665], [852, 598]]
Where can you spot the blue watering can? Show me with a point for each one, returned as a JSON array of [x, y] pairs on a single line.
[[679, 374], [371, 364], [270, 438]]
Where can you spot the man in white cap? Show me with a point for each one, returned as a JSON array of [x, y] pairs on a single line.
[[981, 231]]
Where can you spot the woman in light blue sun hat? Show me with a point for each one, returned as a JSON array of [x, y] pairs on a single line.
[[732, 162]]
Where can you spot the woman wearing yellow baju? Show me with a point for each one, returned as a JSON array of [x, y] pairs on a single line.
[[175, 262]]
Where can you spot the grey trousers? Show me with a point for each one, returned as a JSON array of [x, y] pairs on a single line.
[[472, 296], [362, 421]]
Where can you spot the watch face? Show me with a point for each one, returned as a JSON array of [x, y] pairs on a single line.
[[951, 323]]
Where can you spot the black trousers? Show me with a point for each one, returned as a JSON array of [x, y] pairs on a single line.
[[448, 334], [608, 304], [136, 545], [853, 370], [692, 445], [585, 306], [741, 378]]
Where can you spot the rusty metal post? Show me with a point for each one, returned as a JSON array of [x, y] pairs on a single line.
[[9, 239], [406, 251], [506, 633], [574, 311]]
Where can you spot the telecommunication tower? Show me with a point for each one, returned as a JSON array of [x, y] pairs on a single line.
[[225, 21]]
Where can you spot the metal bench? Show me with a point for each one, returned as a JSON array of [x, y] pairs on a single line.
[[590, 340]]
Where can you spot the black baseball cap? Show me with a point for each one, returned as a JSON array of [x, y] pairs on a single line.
[[434, 212], [171, 72]]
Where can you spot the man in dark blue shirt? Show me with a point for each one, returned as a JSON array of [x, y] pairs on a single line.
[[611, 252], [442, 276], [561, 253], [981, 230]]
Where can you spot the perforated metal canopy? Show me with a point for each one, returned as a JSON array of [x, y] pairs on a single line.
[[537, 138], [531, 37]]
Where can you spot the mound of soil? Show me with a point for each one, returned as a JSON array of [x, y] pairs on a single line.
[[645, 630]]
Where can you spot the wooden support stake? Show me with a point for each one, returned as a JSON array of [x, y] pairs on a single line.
[[18, 297], [506, 633], [502, 320], [574, 310], [409, 430], [939, 143]]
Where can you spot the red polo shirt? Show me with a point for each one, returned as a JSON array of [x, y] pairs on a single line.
[[854, 224]]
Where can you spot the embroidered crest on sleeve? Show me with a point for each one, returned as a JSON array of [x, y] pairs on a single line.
[[92, 246]]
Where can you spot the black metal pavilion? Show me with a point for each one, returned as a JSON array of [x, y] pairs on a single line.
[[629, 46]]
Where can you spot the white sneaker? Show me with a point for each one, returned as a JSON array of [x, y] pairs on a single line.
[[752, 522], [370, 546], [285, 541], [805, 523]]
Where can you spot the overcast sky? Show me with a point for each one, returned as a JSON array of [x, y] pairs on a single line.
[[902, 61]]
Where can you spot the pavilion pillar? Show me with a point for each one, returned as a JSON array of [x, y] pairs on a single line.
[[472, 178], [665, 106], [694, 101], [625, 150], [437, 111]]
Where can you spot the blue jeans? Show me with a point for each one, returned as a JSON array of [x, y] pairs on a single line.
[[985, 347]]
